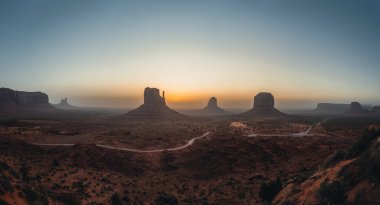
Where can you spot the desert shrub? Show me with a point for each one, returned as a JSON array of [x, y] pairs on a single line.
[[367, 166], [334, 158], [287, 202], [34, 197], [269, 190], [55, 163], [24, 172], [2, 202], [4, 165], [115, 199], [5, 185], [167, 160], [165, 199], [126, 199], [332, 193], [67, 199], [363, 144]]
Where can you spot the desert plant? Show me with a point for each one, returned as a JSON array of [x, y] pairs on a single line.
[[166, 162], [34, 197], [332, 193], [165, 199], [115, 199], [364, 143], [55, 163], [269, 190], [334, 158], [2, 202]]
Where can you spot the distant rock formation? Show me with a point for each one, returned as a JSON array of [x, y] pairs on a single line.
[[332, 108], [212, 107], [154, 107], [263, 101], [376, 108], [356, 109], [64, 104], [355, 106], [19, 103], [263, 106]]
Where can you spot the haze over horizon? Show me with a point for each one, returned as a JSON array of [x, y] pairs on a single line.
[[104, 53]]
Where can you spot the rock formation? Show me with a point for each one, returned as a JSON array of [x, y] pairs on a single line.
[[355, 106], [331, 108], [17, 103], [212, 107], [263, 106], [64, 104], [356, 109], [154, 107], [376, 109]]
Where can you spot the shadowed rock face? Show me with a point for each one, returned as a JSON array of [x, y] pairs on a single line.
[[154, 107], [263, 106], [13, 103], [355, 106], [213, 102], [152, 96], [263, 100], [212, 107], [23, 98]]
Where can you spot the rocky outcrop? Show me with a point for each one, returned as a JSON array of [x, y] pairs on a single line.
[[332, 108], [357, 109], [23, 98], [154, 107], [152, 96], [17, 103], [263, 101], [263, 106], [64, 104], [212, 107]]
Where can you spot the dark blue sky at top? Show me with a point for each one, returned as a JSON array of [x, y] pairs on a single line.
[[330, 42]]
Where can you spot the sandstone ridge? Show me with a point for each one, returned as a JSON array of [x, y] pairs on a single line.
[[17, 103]]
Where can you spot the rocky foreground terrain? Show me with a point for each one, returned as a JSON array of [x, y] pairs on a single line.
[[226, 167]]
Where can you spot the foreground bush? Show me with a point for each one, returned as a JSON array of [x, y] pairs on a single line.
[[332, 193], [269, 190]]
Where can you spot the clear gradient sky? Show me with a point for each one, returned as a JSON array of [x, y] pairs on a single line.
[[104, 53]]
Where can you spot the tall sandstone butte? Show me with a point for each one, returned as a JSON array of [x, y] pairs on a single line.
[[212, 107], [154, 107], [263, 106]]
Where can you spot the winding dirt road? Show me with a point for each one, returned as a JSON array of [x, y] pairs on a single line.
[[300, 134], [189, 143]]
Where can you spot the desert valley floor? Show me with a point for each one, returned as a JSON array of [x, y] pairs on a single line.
[[73, 161]]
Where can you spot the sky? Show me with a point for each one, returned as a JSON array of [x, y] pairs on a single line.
[[104, 53]]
